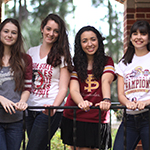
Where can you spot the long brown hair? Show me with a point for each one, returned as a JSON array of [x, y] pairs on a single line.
[[80, 57], [61, 46], [17, 59]]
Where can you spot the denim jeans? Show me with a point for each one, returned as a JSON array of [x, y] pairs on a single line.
[[11, 135], [37, 129], [137, 129]]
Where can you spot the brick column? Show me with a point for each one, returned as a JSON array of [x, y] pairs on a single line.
[[134, 10]]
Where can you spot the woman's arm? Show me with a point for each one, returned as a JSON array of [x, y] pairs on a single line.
[[107, 79], [121, 95], [22, 105], [63, 89], [76, 96], [63, 86]]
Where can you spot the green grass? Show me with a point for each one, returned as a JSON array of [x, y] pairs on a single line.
[[56, 142], [113, 135]]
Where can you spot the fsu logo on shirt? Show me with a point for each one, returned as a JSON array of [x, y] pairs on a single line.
[[91, 84], [38, 79]]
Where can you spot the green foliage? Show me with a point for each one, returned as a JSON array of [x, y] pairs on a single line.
[[56, 142], [40, 9], [44, 7], [119, 114], [96, 3], [113, 135], [31, 33], [114, 41], [30, 20]]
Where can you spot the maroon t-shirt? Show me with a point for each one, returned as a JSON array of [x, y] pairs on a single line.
[[91, 91]]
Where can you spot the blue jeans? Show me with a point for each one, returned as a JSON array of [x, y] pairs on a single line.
[[137, 129], [37, 129], [11, 135]]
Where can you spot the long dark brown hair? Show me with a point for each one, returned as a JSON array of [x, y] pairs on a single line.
[[16, 61], [80, 57], [143, 27], [61, 45]]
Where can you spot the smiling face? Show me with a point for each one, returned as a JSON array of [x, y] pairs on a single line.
[[139, 40], [9, 34], [50, 32], [89, 42]]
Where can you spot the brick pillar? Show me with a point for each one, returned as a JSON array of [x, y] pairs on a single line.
[[134, 10]]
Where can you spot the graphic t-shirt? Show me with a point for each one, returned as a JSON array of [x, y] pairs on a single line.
[[91, 91], [45, 80], [136, 79], [7, 87]]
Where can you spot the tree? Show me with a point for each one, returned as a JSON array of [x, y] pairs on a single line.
[[28, 19], [56, 6], [41, 8], [114, 44]]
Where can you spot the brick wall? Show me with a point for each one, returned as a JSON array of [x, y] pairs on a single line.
[[134, 10]]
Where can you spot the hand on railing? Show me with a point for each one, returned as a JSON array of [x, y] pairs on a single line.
[[46, 111], [104, 105], [8, 105], [21, 106], [85, 105], [131, 105]]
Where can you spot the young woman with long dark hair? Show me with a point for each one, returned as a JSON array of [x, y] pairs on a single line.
[[15, 84], [52, 67], [89, 86]]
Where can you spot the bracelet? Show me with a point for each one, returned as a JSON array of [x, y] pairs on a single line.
[[106, 99]]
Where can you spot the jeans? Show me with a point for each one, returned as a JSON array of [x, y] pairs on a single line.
[[137, 129], [11, 135], [37, 129]]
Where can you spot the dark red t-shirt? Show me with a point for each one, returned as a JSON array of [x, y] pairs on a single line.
[[91, 91]]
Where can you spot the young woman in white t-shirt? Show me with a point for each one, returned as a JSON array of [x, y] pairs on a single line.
[[51, 74], [133, 88]]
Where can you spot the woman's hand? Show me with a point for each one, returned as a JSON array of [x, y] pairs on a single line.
[[131, 105], [140, 105], [8, 105], [85, 105], [104, 105], [46, 111], [21, 106]]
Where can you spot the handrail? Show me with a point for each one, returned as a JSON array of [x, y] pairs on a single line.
[[115, 105]]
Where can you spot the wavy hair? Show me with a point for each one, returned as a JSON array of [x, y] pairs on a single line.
[[61, 45], [144, 27], [80, 57], [17, 59]]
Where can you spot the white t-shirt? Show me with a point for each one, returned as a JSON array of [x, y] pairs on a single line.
[[136, 79], [45, 80]]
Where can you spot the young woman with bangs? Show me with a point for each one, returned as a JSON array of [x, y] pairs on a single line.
[[133, 88]]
